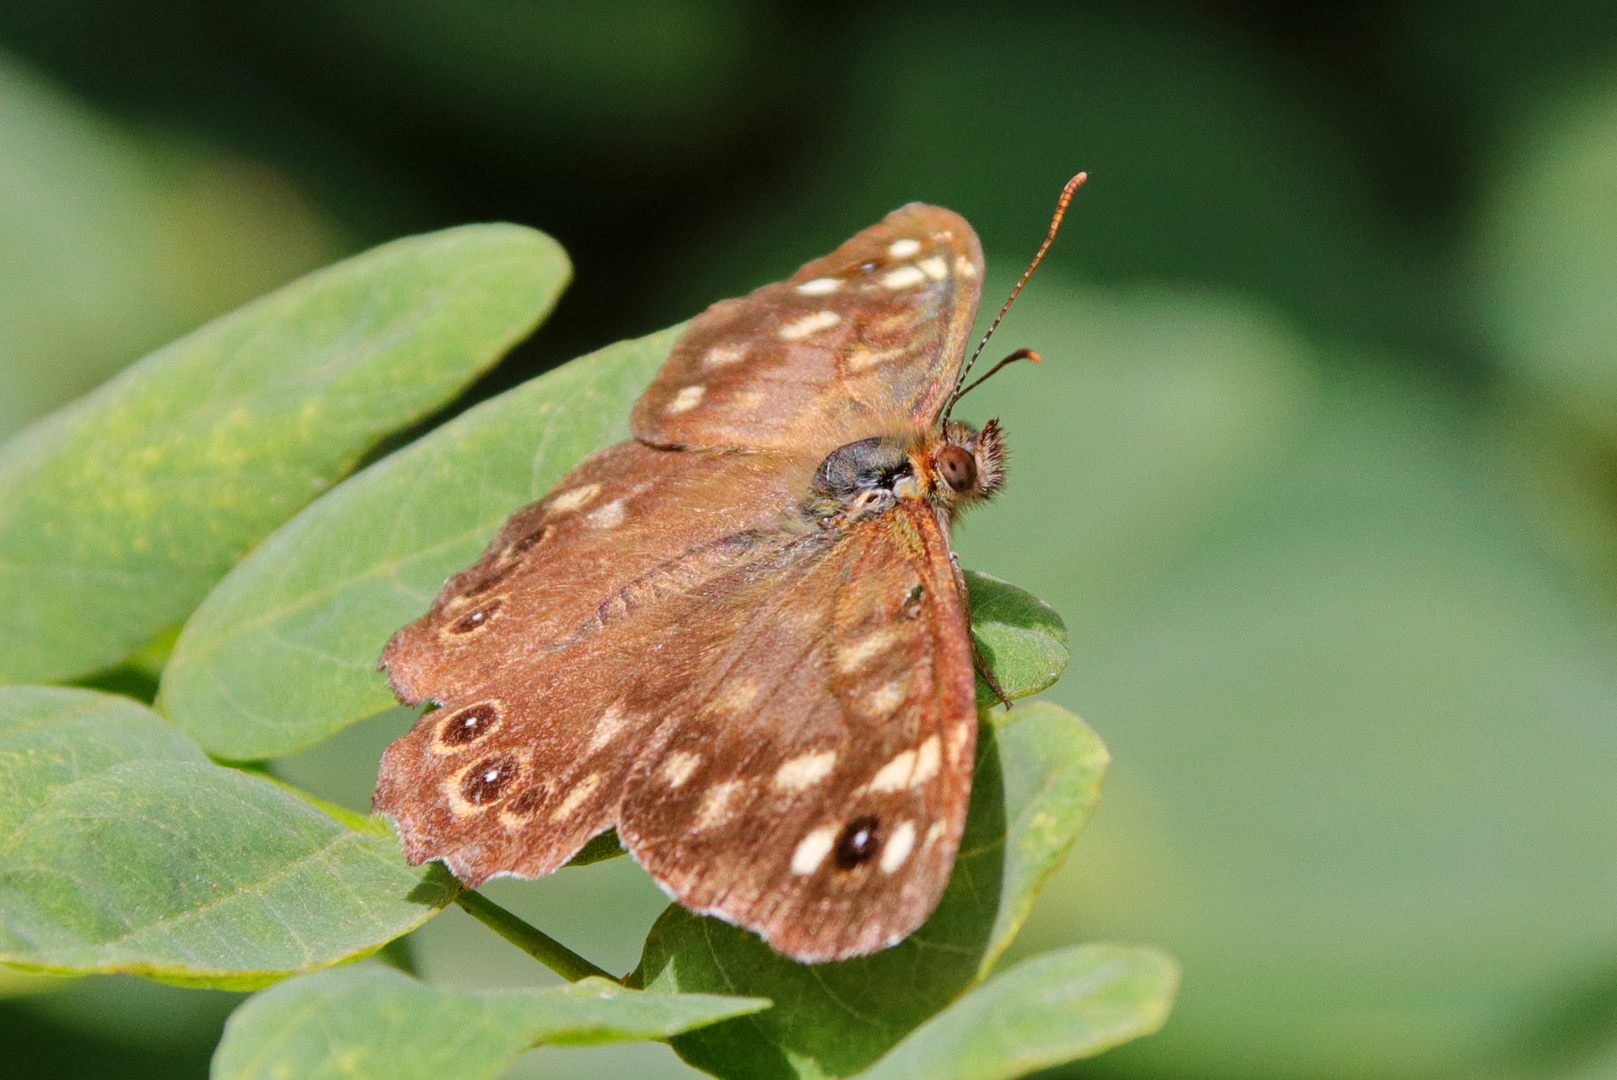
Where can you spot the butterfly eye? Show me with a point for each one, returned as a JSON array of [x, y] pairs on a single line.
[[958, 467], [858, 842]]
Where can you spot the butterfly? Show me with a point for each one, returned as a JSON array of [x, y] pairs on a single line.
[[741, 637]]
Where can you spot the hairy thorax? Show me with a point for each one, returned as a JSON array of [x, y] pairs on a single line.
[[949, 467]]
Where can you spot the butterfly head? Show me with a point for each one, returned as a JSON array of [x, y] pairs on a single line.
[[969, 464], [951, 467]]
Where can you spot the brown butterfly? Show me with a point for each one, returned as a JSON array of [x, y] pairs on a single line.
[[740, 637]]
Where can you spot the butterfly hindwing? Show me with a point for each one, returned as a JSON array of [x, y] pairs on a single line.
[[812, 782], [866, 339]]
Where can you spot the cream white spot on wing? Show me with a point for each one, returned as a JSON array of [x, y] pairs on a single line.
[[686, 400], [450, 788], [903, 277], [958, 738], [735, 696], [867, 648], [895, 775], [719, 804], [799, 329], [934, 268], [903, 249], [679, 766], [748, 400], [607, 726], [576, 796], [812, 850], [723, 356], [862, 359], [896, 323], [820, 286], [609, 516], [964, 267], [928, 756], [934, 834], [573, 498], [883, 701], [800, 619], [898, 847], [805, 770]]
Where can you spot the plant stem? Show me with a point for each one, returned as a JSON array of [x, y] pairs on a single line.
[[536, 943]]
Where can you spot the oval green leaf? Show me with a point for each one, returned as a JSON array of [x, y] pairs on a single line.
[[125, 850], [1059, 1007], [283, 653], [1052, 766], [1038, 778], [118, 513], [1019, 636], [53, 736], [375, 1023]]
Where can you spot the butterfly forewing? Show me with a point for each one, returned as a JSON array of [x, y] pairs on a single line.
[[867, 339], [811, 784]]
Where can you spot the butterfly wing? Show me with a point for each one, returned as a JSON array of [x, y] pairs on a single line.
[[550, 655], [811, 783], [866, 340]]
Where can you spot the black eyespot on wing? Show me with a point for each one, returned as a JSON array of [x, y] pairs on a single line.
[[527, 543], [525, 804], [857, 843], [488, 779], [492, 580], [477, 619], [469, 724]]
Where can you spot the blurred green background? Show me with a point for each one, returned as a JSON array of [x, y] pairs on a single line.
[[1321, 468]]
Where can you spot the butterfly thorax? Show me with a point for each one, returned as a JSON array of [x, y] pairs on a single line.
[[950, 467]]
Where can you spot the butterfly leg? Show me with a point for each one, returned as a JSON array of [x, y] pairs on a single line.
[[987, 673]]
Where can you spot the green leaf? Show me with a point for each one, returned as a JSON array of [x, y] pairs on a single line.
[[1052, 767], [52, 736], [1038, 777], [119, 512], [1064, 1005], [283, 653], [125, 850], [1020, 637], [118, 238], [374, 1022]]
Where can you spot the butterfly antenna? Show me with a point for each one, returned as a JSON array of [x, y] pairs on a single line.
[[1055, 226], [1019, 354]]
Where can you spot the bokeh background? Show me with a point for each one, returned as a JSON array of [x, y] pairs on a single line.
[[1321, 468]]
